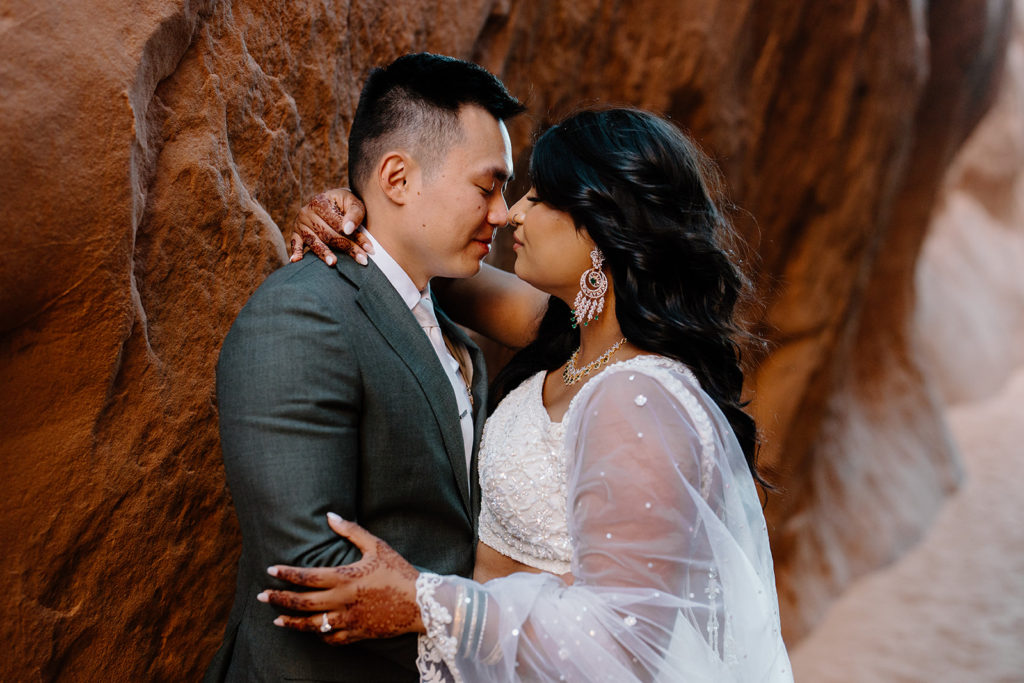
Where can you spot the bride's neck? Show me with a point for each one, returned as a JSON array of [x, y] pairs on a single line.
[[598, 335]]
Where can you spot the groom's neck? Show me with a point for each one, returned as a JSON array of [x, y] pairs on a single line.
[[402, 249]]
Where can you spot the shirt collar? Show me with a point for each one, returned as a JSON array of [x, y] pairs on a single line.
[[395, 274]]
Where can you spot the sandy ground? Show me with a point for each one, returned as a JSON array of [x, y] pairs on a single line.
[[952, 609]]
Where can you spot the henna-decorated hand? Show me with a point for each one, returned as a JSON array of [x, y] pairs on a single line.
[[372, 598], [331, 219]]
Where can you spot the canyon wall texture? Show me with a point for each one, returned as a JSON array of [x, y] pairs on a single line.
[[970, 284], [155, 154], [898, 624]]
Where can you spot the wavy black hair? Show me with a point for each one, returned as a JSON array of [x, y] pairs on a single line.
[[647, 196]]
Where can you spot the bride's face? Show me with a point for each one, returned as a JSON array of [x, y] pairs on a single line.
[[551, 253]]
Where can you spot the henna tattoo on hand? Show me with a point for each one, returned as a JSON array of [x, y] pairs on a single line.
[[323, 207], [382, 612], [372, 598], [338, 213], [384, 557], [293, 602]]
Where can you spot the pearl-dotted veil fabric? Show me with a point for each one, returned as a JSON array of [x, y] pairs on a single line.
[[667, 545]]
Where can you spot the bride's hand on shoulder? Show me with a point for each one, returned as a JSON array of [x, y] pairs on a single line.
[[372, 598], [331, 219]]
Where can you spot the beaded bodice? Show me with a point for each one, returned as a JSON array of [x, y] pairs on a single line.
[[523, 481]]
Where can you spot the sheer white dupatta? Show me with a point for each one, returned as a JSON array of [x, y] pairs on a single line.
[[673, 573]]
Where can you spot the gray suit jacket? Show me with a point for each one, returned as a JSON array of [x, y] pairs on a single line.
[[332, 399]]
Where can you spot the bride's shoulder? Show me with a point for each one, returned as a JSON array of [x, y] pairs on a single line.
[[651, 395], [661, 368], [669, 373], [638, 381]]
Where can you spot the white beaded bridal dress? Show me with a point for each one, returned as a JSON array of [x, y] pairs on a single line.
[[643, 494]]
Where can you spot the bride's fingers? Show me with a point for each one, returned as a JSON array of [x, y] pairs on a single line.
[[313, 623], [360, 537], [346, 212], [326, 208], [356, 245], [326, 233], [315, 230], [316, 601], [322, 251], [310, 577], [352, 210], [296, 243], [340, 637], [363, 241]]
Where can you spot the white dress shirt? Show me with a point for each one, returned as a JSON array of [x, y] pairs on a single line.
[[406, 289]]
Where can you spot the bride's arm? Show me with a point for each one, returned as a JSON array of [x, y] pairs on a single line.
[[666, 531], [632, 521], [494, 303]]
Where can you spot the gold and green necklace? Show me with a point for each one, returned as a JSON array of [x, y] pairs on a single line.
[[571, 375]]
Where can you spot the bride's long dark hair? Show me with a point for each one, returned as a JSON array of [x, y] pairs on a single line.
[[645, 193]]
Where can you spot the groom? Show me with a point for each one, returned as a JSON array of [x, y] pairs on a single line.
[[343, 389]]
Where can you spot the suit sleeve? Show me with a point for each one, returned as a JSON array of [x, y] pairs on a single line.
[[289, 390]]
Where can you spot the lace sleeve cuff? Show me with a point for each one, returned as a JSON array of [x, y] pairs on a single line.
[[436, 649], [449, 637]]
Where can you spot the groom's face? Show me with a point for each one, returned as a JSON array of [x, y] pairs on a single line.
[[462, 199]]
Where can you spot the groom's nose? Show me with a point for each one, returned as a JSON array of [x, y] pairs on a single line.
[[497, 212]]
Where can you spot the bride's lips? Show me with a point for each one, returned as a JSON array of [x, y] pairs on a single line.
[[515, 242]]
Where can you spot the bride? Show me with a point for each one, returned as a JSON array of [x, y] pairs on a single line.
[[621, 535]]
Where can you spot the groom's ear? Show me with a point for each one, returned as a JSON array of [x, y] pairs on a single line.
[[396, 175]]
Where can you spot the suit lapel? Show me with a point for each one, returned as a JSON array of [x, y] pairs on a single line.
[[393, 319]]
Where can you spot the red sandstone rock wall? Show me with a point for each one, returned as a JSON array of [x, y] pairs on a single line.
[[868, 450], [153, 153], [970, 281]]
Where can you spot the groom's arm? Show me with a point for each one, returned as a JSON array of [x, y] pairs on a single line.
[[289, 392]]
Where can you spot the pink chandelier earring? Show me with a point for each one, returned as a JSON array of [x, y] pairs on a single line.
[[593, 285]]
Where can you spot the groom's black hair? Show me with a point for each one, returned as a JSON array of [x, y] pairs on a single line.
[[414, 103]]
